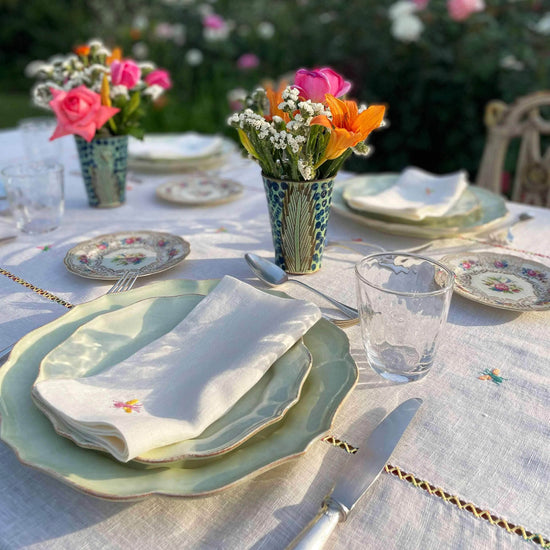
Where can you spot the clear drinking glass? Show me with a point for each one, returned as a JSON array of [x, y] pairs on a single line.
[[35, 134], [35, 195], [403, 303]]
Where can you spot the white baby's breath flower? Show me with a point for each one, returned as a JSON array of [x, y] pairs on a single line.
[[119, 90], [194, 57], [154, 91], [96, 43], [147, 66], [362, 149], [306, 170], [35, 68]]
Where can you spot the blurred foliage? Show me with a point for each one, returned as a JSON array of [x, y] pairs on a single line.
[[436, 87]]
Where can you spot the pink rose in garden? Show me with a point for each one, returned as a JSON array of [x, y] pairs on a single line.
[[125, 73], [79, 111], [318, 82], [459, 10], [213, 21], [160, 77], [248, 61]]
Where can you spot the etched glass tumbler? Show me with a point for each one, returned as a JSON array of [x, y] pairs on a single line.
[[35, 195], [403, 302]]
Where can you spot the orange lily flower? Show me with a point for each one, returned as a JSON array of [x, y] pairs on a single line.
[[348, 126], [83, 49], [116, 55], [275, 98]]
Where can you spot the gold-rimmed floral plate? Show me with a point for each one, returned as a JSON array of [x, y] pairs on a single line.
[[200, 189], [114, 336], [26, 430], [108, 257], [501, 280]]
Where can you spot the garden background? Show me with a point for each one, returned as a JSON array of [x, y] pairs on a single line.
[[435, 73]]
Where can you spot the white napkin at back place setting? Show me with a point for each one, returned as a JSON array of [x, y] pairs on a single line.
[[187, 146], [416, 195], [178, 385]]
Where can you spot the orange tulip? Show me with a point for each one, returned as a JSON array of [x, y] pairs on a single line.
[[275, 98], [83, 49], [348, 126], [116, 55]]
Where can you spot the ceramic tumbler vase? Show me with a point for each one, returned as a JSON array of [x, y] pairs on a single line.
[[299, 212], [103, 162]]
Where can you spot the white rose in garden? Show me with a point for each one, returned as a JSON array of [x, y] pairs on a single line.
[[407, 28], [543, 24]]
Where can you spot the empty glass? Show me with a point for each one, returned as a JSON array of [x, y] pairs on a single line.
[[403, 303], [35, 134], [35, 195]]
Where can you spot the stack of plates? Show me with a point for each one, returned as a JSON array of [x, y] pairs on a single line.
[[178, 152], [476, 210], [292, 406]]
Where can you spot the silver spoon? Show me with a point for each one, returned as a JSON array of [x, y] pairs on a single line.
[[273, 275]]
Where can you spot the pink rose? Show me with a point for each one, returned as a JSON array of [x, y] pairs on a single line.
[[213, 21], [318, 82], [125, 73], [459, 10], [160, 77], [79, 111], [248, 61]]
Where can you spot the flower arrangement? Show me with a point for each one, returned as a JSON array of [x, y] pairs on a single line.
[[305, 131], [95, 92]]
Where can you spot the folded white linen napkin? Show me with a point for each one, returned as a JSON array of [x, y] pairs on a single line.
[[175, 387], [416, 195], [175, 147]]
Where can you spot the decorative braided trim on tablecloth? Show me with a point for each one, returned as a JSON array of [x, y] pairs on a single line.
[[451, 499], [40, 291]]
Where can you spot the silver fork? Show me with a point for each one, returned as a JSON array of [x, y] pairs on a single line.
[[126, 282]]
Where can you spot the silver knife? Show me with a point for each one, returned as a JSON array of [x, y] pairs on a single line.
[[361, 472]]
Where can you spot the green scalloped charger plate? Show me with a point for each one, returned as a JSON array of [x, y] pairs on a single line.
[[29, 433]]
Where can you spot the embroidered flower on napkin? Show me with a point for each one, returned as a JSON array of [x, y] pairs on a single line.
[[415, 195], [175, 387]]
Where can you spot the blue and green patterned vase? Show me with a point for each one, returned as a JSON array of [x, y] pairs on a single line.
[[299, 212], [103, 162]]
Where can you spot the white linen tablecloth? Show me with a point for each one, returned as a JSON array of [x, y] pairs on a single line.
[[484, 443]]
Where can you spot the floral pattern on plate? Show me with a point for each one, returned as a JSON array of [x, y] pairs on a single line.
[[200, 189], [107, 257], [503, 281]]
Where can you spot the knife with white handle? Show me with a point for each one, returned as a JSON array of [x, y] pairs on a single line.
[[361, 471]]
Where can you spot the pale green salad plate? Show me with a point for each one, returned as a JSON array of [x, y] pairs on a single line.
[[24, 428], [476, 211], [112, 337]]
